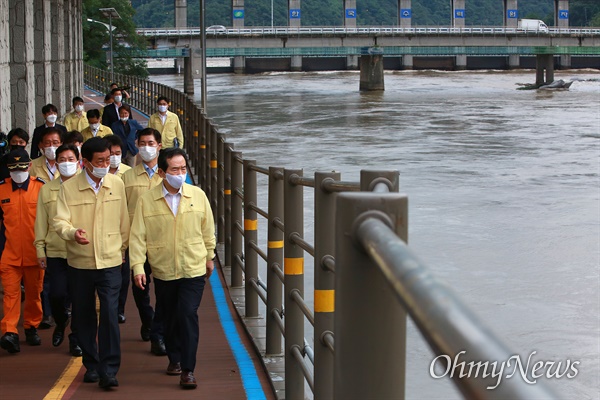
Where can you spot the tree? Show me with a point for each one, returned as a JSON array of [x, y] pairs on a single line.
[[96, 38]]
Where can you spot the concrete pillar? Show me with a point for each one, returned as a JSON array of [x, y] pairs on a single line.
[[405, 13], [294, 13], [544, 63], [514, 61], [296, 64], [561, 20], [22, 71], [350, 13], [42, 54], [407, 62], [188, 76], [5, 88], [511, 20], [180, 13], [239, 65], [58, 55], [352, 62], [460, 63], [458, 13], [371, 72]]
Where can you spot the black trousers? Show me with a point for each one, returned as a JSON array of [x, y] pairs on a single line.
[[152, 318], [59, 293], [105, 356], [180, 300]]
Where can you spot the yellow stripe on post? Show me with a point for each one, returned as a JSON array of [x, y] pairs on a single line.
[[227, 192], [250, 224], [293, 266], [213, 163], [195, 133], [324, 300], [275, 244], [202, 146]]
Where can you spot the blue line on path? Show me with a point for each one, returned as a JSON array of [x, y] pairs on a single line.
[[252, 386]]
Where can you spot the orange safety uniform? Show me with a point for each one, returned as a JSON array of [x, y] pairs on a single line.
[[19, 258]]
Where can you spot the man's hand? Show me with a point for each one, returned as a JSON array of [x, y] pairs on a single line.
[[140, 281], [42, 262], [210, 266], [80, 236]]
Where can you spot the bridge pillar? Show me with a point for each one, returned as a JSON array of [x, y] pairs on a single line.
[[405, 13], [458, 13], [294, 13], [371, 72], [544, 62], [460, 62], [180, 22], [296, 64], [188, 76], [511, 20], [239, 65], [352, 62], [514, 61], [407, 62], [350, 22], [561, 20]]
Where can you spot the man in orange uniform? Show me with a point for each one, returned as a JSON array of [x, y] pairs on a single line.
[[18, 200]]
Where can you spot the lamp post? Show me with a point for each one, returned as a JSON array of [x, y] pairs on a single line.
[[111, 13], [271, 13]]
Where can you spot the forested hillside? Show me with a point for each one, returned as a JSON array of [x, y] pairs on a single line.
[[160, 13]]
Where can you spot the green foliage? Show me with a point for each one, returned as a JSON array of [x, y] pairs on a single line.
[[96, 38], [160, 13]]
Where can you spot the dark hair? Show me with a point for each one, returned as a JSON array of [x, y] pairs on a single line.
[[51, 131], [114, 140], [20, 133], [72, 137], [113, 84], [94, 145], [67, 147], [108, 97], [165, 98], [148, 132], [126, 108], [115, 90], [49, 107], [93, 113], [77, 99], [165, 155]]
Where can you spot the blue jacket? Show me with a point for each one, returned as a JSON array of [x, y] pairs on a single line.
[[129, 142]]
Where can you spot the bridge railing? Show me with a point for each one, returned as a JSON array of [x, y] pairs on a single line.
[[366, 280], [367, 30]]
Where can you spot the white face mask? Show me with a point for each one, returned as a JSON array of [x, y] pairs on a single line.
[[148, 153], [124, 119], [79, 108], [99, 172], [95, 127], [51, 118], [163, 109], [19, 176], [115, 161], [176, 181], [67, 168], [50, 152], [118, 99]]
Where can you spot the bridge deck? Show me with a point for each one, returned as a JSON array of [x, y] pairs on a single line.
[[228, 367]]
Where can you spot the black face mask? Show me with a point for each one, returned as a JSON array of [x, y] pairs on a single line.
[[14, 147]]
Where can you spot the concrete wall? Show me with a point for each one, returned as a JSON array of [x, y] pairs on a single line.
[[41, 59]]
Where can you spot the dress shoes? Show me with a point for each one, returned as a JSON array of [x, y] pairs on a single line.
[[91, 376], [47, 323], [32, 338], [122, 318], [106, 382], [158, 348], [75, 350], [174, 369], [10, 342], [187, 380], [145, 333], [58, 335]]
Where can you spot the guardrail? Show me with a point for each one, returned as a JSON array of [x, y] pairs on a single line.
[[378, 30], [366, 280]]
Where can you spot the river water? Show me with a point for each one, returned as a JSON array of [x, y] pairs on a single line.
[[503, 187]]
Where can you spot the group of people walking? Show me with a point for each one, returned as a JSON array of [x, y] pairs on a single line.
[[97, 203]]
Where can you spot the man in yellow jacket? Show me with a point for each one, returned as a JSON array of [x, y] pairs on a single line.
[[45, 167], [173, 226], [138, 181], [76, 120], [167, 123], [95, 129], [91, 215], [52, 250]]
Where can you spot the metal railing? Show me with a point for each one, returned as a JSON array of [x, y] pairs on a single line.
[[366, 30], [366, 280]]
